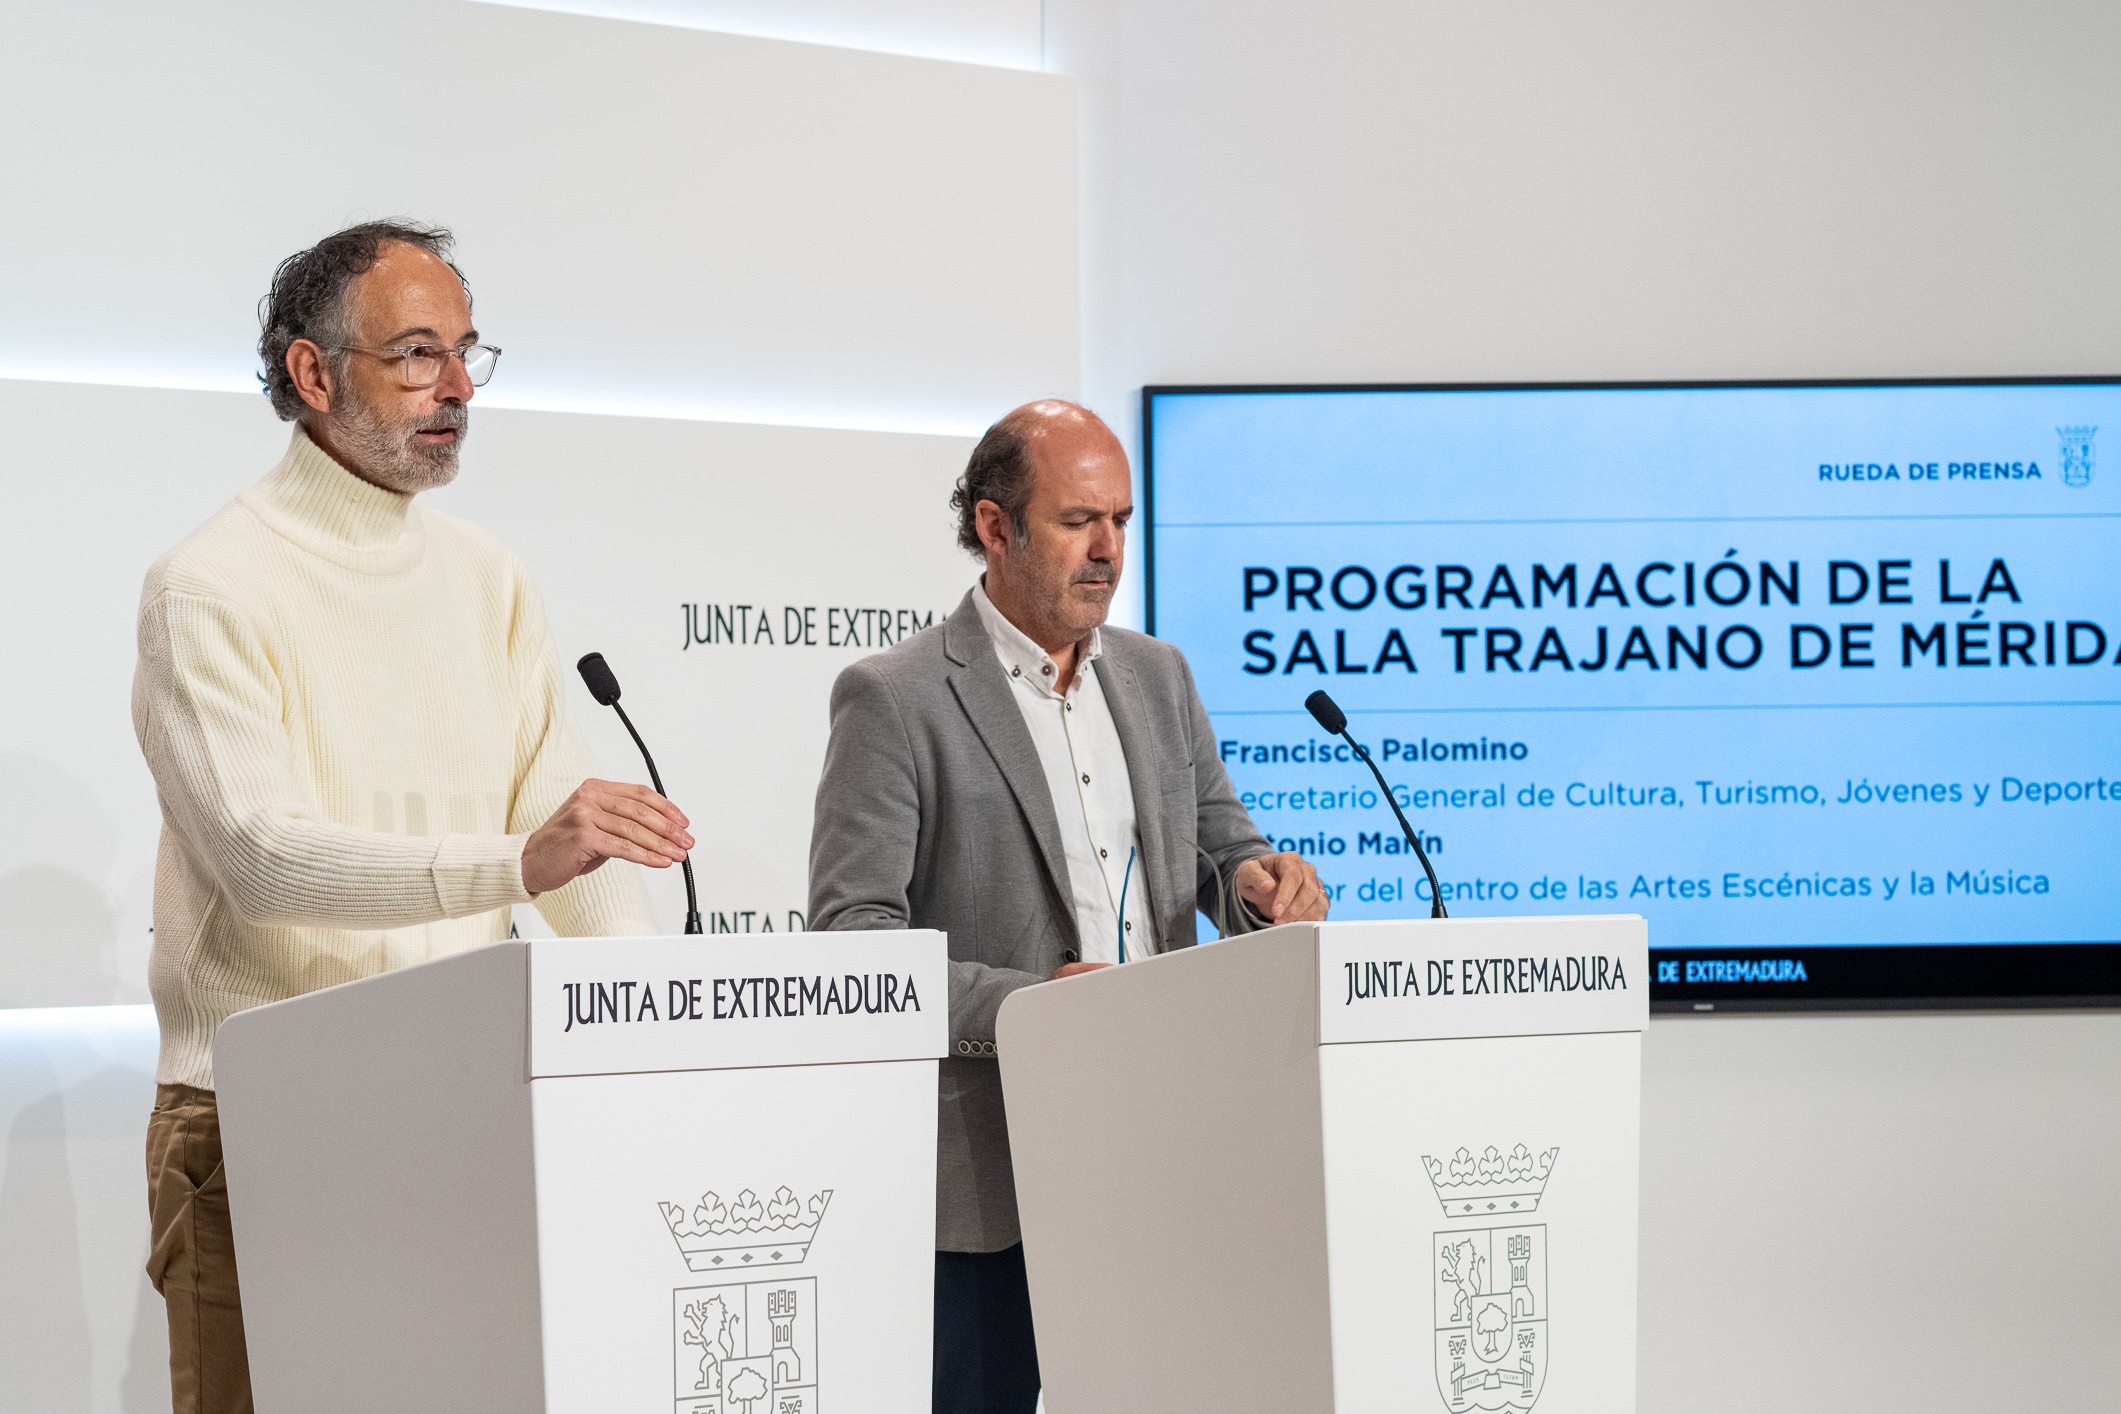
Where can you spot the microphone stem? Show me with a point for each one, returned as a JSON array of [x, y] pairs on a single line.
[[692, 898], [1436, 909]]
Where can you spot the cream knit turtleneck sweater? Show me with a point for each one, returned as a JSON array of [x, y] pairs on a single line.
[[354, 718]]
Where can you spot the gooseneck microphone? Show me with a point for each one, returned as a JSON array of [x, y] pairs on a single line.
[[597, 676], [1327, 713]]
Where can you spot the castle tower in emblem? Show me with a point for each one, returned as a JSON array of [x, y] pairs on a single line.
[[780, 1311], [1521, 1278]]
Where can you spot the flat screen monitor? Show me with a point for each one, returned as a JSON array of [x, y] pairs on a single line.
[[1824, 679]]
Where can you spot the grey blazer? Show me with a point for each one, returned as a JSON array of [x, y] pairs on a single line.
[[933, 812]]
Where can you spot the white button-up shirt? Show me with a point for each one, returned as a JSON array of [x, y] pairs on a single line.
[[1086, 771]]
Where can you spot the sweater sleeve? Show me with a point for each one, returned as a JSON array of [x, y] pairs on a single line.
[[209, 711], [552, 761]]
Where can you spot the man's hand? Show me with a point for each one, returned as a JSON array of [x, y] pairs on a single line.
[[1070, 969], [1284, 888], [604, 820]]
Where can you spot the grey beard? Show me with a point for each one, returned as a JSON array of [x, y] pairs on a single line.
[[383, 450]]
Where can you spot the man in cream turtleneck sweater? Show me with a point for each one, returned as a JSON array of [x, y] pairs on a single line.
[[354, 717]]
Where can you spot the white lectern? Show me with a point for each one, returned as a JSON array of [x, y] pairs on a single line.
[[1336, 1167], [693, 1175]]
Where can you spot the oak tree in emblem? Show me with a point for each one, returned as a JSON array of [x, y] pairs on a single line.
[[1489, 1325], [747, 1388]]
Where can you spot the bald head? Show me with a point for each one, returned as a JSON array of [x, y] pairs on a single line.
[[1045, 501], [1062, 426], [1004, 464]]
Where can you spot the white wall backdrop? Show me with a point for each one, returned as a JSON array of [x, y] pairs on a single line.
[[656, 221], [727, 574], [1844, 1214], [112, 477], [637, 529], [1839, 1213], [1366, 191], [663, 227], [1376, 191], [1000, 32], [80, 1328]]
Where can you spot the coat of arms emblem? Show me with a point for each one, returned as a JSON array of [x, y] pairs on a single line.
[[747, 1345], [1490, 1283], [2076, 454]]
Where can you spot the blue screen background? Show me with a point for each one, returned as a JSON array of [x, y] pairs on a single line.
[[1735, 804]]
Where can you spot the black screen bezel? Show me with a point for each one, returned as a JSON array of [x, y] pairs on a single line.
[[1840, 977]]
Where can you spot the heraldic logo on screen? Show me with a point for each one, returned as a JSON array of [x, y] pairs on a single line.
[[2077, 455]]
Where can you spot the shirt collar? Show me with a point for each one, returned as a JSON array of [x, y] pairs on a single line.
[[1020, 657]]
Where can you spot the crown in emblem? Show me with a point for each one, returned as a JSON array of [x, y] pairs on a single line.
[[713, 1234], [1494, 1182]]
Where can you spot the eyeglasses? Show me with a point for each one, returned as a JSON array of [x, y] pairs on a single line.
[[424, 362]]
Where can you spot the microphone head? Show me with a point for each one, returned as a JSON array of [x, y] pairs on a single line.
[[596, 673], [1323, 709]]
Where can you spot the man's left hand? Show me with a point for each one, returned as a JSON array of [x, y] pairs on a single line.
[[1284, 888]]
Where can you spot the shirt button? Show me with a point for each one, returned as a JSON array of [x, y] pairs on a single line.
[[1086, 780], [1130, 927], [1047, 670], [1016, 672], [1102, 855]]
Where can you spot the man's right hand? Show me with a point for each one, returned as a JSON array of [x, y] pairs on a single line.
[[1070, 969], [604, 820]]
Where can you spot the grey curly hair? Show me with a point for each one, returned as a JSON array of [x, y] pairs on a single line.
[[309, 294]]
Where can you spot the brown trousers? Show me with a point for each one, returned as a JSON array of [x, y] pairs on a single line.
[[192, 1259]]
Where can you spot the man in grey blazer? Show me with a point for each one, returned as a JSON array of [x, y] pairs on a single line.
[[1048, 792]]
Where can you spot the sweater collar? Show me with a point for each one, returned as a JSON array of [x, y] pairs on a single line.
[[324, 508]]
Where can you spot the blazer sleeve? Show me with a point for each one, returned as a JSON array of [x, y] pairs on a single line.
[[1223, 825], [865, 833]]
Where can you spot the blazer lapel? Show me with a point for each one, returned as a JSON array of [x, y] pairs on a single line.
[[985, 696], [1144, 778]]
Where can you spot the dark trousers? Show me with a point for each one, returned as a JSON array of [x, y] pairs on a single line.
[[986, 1361]]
